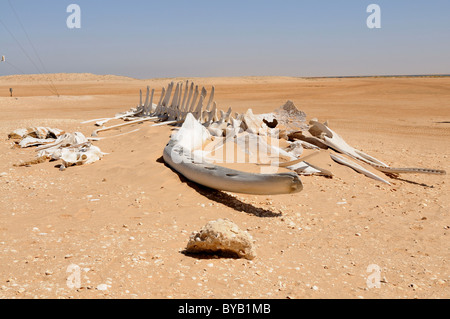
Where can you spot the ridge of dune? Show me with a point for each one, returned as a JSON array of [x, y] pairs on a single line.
[[63, 77]]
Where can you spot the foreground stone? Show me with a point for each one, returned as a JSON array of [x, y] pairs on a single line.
[[222, 237]]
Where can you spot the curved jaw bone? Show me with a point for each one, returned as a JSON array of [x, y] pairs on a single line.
[[180, 155]]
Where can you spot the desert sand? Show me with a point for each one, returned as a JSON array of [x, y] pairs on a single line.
[[125, 220]]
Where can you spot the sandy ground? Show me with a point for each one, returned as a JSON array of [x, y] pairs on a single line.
[[125, 220]]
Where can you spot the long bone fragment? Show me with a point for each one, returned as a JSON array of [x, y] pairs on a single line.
[[344, 161], [180, 154], [102, 122], [143, 109], [95, 133], [336, 142]]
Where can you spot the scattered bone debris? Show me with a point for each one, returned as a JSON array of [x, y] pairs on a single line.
[[54, 144], [202, 123]]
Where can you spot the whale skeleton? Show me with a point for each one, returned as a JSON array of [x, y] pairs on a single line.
[[185, 104]]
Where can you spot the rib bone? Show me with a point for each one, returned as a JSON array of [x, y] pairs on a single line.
[[344, 161]]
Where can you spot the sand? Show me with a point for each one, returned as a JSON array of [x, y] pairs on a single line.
[[124, 221]]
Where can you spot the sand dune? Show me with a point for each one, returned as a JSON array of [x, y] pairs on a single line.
[[126, 219]]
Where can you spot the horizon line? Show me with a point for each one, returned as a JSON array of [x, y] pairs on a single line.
[[246, 76]]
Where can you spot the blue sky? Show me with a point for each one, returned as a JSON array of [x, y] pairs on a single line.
[[148, 39]]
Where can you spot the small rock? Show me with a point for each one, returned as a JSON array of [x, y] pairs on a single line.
[[222, 237], [441, 282], [102, 287]]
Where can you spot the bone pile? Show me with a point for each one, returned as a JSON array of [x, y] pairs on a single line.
[[202, 123], [54, 144]]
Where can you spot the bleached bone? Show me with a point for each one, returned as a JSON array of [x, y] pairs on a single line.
[[66, 140], [185, 108], [180, 155], [225, 118], [344, 161], [95, 133], [295, 149], [70, 148], [101, 122], [175, 97], [151, 106], [54, 153], [306, 137], [18, 134], [168, 94], [166, 123], [44, 132], [306, 169], [209, 116], [321, 171], [219, 128], [211, 99], [184, 96], [300, 166], [95, 139], [194, 100], [290, 118], [253, 123], [397, 170], [147, 96], [32, 141], [82, 156], [159, 106], [293, 162], [38, 132], [336, 142], [199, 110], [234, 129], [148, 105], [308, 146], [95, 120]]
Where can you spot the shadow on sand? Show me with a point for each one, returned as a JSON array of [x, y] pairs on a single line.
[[224, 198]]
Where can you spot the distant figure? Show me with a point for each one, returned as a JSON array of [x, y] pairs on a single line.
[[10, 91]]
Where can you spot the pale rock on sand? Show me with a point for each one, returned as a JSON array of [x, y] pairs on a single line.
[[222, 237]]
